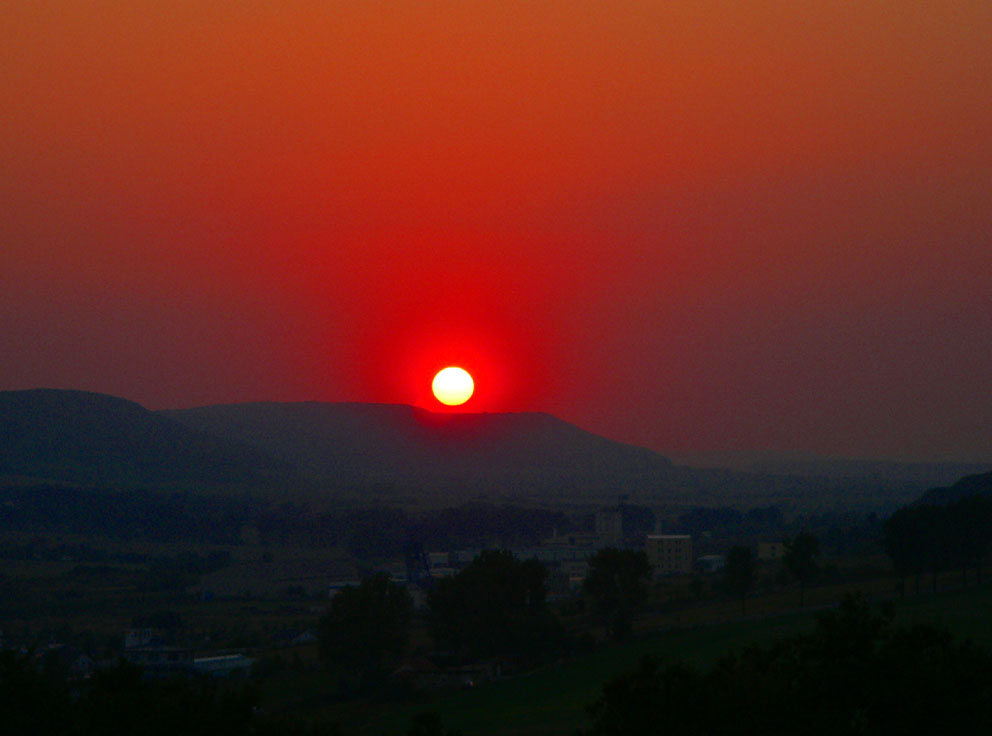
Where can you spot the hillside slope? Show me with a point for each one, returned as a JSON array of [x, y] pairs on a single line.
[[89, 438], [971, 485], [362, 443]]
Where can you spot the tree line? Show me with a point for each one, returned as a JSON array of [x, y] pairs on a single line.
[[165, 517], [933, 539], [494, 609], [800, 561], [857, 672], [120, 700]]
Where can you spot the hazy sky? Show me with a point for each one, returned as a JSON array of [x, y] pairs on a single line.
[[697, 226]]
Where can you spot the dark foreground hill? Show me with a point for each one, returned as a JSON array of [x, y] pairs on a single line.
[[87, 438], [972, 485], [360, 444]]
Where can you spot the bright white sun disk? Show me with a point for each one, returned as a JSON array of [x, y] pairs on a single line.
[[453, 386]]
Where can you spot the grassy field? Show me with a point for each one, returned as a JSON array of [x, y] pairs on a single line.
[[552, 700]]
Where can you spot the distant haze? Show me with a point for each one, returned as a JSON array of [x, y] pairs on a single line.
[[694, 227]]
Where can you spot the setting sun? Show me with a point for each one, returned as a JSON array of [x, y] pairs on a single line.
[[453, 386]]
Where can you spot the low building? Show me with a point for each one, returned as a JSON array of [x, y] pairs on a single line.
[[589, 540], [161, 661], [711, 563], [423, 675], [553, 555], [305, 576], [223, 665], [307, 637], [337, 586], [438, 559], [669, 554], [135, 638], [575, 569], [71, 661], [460, 558], [771, 550]]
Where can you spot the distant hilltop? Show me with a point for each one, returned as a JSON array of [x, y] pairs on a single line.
[[362, 443], [316, 450], [88, 438], [971, 485]]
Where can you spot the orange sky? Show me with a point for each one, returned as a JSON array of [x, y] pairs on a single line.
[[696, 226]]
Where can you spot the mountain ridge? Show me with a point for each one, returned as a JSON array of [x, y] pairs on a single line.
[[363, 443], [88, 438], [979, 484], [380, 453], [85, 437]]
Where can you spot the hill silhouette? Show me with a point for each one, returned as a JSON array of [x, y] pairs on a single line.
[[357, 443], [326, 451], [80, 437], [970, 485]]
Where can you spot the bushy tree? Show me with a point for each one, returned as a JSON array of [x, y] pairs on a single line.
[[29, 702], [494, 607], [738, 573], [800, 560], [118, 700], [971, 526], [936, 537], [904, 543], [367, 627], [617, 583], [429, 724]]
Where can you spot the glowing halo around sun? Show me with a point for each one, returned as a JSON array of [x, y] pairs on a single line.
[[453, 386]]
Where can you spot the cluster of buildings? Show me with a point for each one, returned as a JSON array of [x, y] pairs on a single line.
[[146, 648], [565, 555]]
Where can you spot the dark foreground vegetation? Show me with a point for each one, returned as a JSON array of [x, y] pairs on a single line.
[[933, 538], [497, 633], [858, 670], [119, 701], [856, 673]]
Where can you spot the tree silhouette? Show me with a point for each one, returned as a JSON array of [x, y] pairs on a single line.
[[494, 607], [738, 573], [800, 560], [973, 529], [934, 537], [30, 702], [366, 628], [904, 543], [429, 724], [856, 672], [617, 583]]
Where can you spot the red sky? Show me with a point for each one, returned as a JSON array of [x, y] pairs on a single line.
[[699, 227]]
